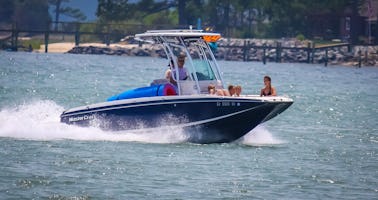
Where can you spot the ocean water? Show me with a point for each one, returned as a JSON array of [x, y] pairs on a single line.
[[323, 147]]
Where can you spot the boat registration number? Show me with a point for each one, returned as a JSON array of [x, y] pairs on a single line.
[[225, 104]]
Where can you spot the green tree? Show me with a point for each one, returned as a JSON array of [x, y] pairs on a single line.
[[6, 11], [68, 11], [31, 14], [115, 10], [258, 18]]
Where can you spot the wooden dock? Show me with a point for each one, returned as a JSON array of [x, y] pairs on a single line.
[[310, 50], [104, 31]]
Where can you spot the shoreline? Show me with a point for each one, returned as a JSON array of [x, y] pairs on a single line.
[[368, 56]]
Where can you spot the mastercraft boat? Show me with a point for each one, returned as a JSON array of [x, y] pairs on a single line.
[[184, 104]]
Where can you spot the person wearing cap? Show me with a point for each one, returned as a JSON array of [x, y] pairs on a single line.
[[171, 74], [183, 75]]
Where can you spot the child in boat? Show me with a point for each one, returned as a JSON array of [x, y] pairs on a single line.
[[231, 90], [238, 90]]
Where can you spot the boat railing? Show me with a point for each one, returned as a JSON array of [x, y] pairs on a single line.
[[175, 31]]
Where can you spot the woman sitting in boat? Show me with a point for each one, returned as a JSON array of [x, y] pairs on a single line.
[[268, 90]]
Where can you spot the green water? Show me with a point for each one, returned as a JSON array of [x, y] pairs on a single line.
[[323, 147]]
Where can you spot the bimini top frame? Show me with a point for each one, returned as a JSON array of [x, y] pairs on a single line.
[[203, 68]]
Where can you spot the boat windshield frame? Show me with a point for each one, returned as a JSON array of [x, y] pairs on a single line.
[[188, 42]]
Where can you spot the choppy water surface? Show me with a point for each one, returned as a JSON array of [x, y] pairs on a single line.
[[323, 147]]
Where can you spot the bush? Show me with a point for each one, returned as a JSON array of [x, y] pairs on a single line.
[[300, 37], [34, 43]]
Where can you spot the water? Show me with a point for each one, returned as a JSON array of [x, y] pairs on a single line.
[[323, 147]]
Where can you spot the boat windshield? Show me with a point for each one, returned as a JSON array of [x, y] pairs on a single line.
[[203, 70]]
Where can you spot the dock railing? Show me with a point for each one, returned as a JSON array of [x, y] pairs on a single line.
[[106, 32], [278, 50]]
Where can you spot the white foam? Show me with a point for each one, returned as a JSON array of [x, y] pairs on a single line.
[[260, 136], [39, 120]]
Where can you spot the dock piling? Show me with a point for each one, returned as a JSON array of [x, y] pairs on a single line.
[[278, 52], [14, 42], [46, 41], [308, 52], [264, 54], [312, 52], [77, 34], [326, 57], [359, 58]]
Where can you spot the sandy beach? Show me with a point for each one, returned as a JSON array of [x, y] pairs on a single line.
[[63, 47]]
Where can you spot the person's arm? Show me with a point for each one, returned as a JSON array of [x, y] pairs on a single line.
[[273, 90], [186, 74], [226, 93], [262, 92]]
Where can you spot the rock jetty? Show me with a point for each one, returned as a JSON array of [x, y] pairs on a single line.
[[282, 50]]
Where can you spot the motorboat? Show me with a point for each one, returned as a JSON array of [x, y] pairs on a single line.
[[182, 103]]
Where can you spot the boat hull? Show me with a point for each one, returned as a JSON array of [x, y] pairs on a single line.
[[205, 119]]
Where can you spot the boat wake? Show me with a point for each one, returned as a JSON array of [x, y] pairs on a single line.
[[40, 120], [260, 136]]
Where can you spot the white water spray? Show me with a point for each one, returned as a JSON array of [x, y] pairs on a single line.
[[40, 120], [260, 136]]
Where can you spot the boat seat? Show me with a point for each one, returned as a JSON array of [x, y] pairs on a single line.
[[190, 87]]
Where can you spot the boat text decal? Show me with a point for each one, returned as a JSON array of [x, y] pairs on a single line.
[[81, 118]]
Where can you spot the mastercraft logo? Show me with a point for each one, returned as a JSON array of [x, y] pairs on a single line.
[[81, 118]]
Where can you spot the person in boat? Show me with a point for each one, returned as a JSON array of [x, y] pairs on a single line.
[[171, 65], [213, 91], [166, 78], [183, 74], [238, 90], [268, 90], [231, 90], [219, 92]]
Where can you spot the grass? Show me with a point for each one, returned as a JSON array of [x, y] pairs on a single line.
[[34, 43], [321, 43]]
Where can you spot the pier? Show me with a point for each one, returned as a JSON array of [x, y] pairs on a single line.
[[277, 50], [104, 32]]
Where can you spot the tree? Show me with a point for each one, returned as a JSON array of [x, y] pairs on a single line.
[[31, 14], [6, 11], [114, 10], [259, 18], [68, 11]]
